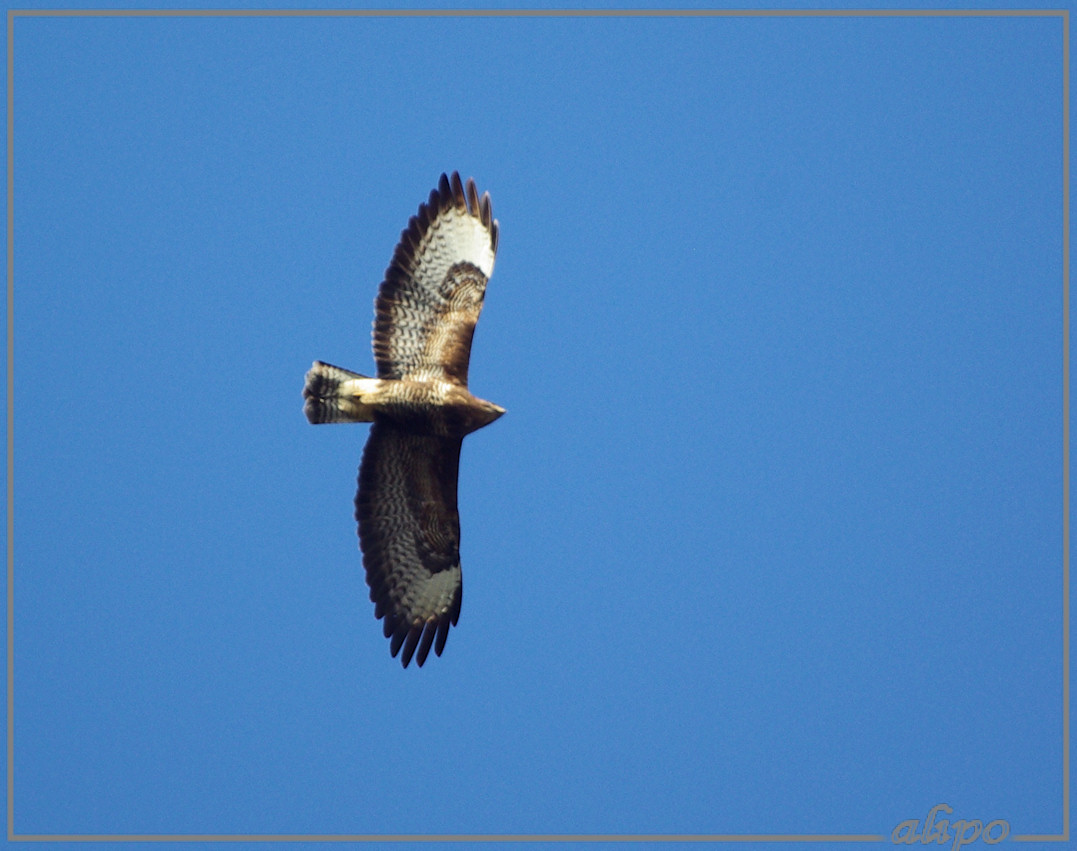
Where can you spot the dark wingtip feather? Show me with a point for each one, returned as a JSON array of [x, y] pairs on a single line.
[[410, 641], [443, 634], [397, 635], [458, 197], [417, 639], [429, 631], [485, 209], [473, 199]]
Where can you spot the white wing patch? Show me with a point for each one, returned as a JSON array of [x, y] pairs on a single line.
[[454, 237], [432, 295]]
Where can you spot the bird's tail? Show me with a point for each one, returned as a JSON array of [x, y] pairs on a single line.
[[336, 395]]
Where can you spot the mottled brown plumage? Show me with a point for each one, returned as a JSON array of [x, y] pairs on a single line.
[[425, 315]]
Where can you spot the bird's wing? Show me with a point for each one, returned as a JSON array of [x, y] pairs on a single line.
[[409, 531], [430, 300]]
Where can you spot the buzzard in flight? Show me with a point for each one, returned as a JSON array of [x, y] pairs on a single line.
[[421, 410]]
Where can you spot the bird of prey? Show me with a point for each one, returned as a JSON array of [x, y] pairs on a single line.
[[421, 410]]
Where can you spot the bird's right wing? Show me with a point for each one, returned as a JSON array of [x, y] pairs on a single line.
[[431, 298]]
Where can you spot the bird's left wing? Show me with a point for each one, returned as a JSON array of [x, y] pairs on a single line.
[[409, 531]]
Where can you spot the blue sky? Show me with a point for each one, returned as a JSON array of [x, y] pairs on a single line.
[[770, 539]]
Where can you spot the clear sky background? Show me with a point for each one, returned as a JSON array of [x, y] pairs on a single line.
[[770, 539]]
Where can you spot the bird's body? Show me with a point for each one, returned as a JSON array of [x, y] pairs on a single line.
[[425, 315], [430, 406]]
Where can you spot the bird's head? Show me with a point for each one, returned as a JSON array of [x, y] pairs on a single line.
[[488, 411]]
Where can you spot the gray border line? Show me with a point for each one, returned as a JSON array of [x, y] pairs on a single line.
[[12, 14]]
